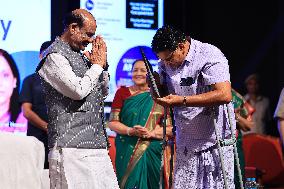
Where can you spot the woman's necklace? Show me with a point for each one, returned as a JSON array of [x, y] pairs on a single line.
[[136, 89]]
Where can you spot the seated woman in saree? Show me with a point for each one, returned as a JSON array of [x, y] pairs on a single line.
[[137, 120]]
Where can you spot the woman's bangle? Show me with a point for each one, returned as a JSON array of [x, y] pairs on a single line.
[[128, 131]]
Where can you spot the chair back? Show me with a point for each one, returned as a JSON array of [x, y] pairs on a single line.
[[264, 153]]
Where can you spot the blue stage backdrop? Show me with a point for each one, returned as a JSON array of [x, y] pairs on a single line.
[[24, 26], [125, 25]]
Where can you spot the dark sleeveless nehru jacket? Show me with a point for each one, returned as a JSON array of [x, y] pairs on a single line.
[[74, 123]]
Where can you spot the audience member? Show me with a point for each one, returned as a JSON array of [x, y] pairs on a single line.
[[137, 120], [33, 105], [262, 115]]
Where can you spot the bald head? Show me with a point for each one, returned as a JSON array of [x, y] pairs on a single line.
[[79, 16], [79, 29]]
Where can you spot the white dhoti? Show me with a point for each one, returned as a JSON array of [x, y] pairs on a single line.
[[72, 168]]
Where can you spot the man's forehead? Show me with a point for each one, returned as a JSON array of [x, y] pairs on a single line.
[[90, 24]]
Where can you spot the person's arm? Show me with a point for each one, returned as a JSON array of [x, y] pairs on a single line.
[[215, 73], [122, 129], [26, 100], [157, 133], [59, 74], [139, 130], [243, 123], [221, 94], [114, 121], [33, 117]]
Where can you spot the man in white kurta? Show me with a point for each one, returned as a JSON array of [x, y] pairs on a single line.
[[75, 87]]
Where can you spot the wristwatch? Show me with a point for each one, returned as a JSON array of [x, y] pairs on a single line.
[[184, 100]]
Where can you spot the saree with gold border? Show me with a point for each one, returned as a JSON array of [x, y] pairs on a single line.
[[138, 161]]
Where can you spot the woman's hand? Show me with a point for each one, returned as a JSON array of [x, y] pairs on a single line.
[[142, 132]]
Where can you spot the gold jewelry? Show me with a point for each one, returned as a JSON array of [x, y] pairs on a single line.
[[128, 131]]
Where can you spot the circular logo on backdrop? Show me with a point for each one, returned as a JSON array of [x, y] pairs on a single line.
[[124, 66], [89, 5]]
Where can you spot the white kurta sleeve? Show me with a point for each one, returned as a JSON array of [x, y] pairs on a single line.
[[105, 83], [59, 74]]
